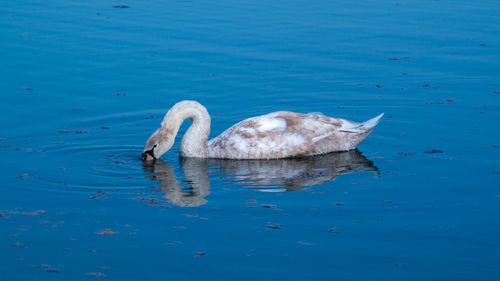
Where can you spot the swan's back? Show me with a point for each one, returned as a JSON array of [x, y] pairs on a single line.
[[287, 134]]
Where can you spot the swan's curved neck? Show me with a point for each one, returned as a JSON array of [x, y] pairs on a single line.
[[194, 142]]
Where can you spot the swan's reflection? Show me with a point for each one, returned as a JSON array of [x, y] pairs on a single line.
[[268, 175], [190, 193]]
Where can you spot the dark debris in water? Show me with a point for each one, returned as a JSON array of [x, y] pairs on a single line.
[[95, 274], [433, 151], [98, 195], [25, 175], [431, 86], [95, 251], [200, 254], [333, 230], [401, 153], [51, 270], [106, 231], [35, 213], [7, 213], [18, 245], [273, 226], [191, 215], [269, 206], [440, 102], [121, 6], [401, 58], [73, 131]]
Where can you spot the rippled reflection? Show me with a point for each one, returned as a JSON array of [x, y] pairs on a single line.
[[267, 175], [195, 170]]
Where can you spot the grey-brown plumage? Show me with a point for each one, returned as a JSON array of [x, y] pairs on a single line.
[[288, 134]]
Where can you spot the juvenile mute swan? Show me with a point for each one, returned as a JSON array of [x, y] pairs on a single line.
[[279, 134]]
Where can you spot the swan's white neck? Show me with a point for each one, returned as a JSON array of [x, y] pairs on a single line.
[[194, 142]]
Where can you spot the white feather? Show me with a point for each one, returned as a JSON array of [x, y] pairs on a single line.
[[271, 124]]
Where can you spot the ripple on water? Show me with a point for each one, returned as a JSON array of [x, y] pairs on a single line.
[[71, 167], [87, 154]]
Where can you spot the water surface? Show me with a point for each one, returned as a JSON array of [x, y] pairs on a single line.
[[84, 83]]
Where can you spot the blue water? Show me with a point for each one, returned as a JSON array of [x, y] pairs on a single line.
[[84, 84]]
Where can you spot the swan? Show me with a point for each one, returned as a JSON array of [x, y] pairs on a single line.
[[276, 135]]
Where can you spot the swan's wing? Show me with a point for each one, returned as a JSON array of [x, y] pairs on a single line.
[[275, 135], [313, 126]]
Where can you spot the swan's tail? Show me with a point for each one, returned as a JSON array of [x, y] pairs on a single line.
[[370, 124], [367, 126]]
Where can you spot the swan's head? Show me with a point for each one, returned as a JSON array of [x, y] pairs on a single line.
[[157, 144]]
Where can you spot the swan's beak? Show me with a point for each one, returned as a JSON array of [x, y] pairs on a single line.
[[148, 155]]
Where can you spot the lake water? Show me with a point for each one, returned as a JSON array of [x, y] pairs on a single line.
[[84, 84]]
